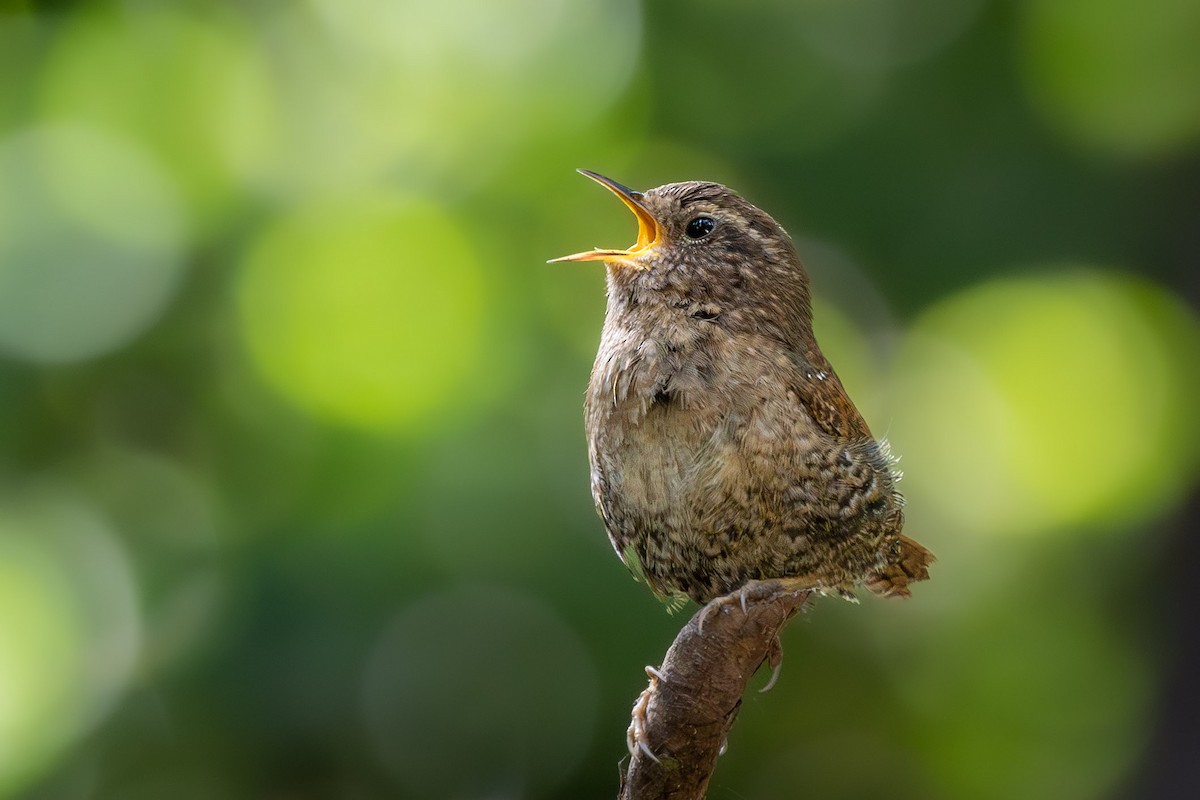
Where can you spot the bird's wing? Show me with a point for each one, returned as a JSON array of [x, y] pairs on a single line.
[[824, 398]]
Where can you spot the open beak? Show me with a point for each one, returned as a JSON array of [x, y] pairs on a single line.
[[648, 228]]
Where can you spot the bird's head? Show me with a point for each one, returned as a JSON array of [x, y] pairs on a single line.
[[701, 242]]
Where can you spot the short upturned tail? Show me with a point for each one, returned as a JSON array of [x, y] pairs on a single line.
[[910, 566]]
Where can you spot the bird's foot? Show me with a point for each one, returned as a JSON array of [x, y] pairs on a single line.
[[636, 737], [752, 592], [722, 604]]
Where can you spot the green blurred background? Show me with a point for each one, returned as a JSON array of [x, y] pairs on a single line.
[[293, 488]]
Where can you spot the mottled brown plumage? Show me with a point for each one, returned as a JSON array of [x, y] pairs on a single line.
[[723, 447]]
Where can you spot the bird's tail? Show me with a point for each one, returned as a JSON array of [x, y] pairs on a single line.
[[910, 565]]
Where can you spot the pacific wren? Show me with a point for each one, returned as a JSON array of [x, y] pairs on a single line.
[[723, 446]]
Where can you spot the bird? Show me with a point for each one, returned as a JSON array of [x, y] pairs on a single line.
[[724, 450]]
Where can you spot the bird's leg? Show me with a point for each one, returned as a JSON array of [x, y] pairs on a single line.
[[635, 737]]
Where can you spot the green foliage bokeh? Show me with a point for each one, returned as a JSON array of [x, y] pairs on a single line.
[[293, 488]]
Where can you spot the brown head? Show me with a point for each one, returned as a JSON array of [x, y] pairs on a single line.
[[702, 246]]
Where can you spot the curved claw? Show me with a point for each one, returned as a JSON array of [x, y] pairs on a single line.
[[741, 596], [775, 659], [635, 737]]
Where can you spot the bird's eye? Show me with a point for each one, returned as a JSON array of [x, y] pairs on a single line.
[[700, 227]]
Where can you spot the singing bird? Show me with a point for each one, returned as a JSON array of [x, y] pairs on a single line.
[[724, 449]]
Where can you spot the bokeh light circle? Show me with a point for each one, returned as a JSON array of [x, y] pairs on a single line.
[[480, 692], [364, 311], [1049, 402], [1036, 694], [1116, 76], [438, 94], [69, 627], [168, 522], [90, 243], [188, 87]]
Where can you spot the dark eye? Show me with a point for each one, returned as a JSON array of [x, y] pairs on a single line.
[[700, 227]]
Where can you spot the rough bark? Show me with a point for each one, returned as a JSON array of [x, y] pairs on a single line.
[[693, 699]]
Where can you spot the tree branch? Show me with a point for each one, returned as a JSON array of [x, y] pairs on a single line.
[[682, 720]]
